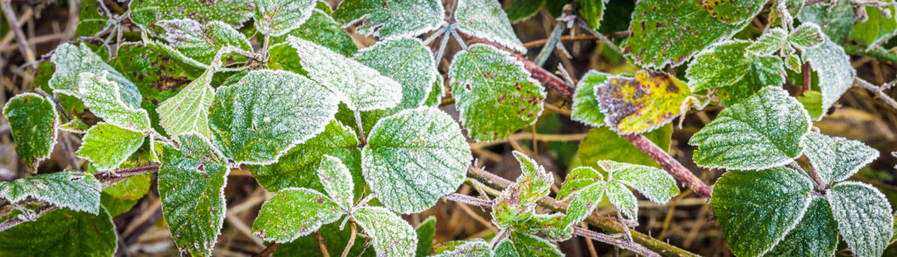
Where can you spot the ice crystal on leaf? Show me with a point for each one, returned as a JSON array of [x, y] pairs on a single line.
[[769, 42], [485, 19], [103, 98], [832, 66], [815, 235], [188, 111], [337, 181], [32, 122], [200, 42], [72, 60], [656, 184], [277, 17], [468, 248], [73, 191], [735, 71], [585, 103], [107, 146], [146, 13], [391, 235], [864, 217], [294, 212], [808, 35], [391, 19], [733, 11], [836, 158]]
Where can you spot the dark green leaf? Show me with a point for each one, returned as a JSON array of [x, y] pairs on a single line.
[[32, 122]]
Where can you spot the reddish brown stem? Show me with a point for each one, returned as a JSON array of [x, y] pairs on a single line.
[[6, 224], [807, 77], [267, 252]]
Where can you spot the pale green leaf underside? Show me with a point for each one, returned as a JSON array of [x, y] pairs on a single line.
[[147, 12], [72, 60], [877, 28], [277, 17], [268, 112], [808, 35], [756, 209], [864, 217], [62, 233], [294, 212], [833, 68], [763, 131], [485, 19], [494, 93], [656, 184], [108, 146], [191, 186], [360, 87], [815, 235], [585, 104], [103, 98], [74, 191], [392, 236], [188, 111], [392, 19], [32, 122], [837, 158], [414, 157], [769, 42], [337, 181]]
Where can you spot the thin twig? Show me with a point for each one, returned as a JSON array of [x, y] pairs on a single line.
[[540, 42], [878, 91], [17, 29], [321, 245], [351, 240], [268, 250]]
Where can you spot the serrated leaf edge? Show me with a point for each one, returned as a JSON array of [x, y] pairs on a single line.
[[56, 122]]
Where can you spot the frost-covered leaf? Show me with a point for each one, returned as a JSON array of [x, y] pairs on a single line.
[[877, 28], [656, 184], [864, 217], [737, 72], [360, 87], [587, 187], [188, 111], [73, 60], [485, 19], [93, 17], [833, 68], [670, 32], [494, 93], [103, 98], [414, 157], [157, 76], [407, 61], [836, 158], [391, 19], [517, 202], [835, 20], [530, 245], [552, 225], [277, 17], [62, 233], [268, 112], [793, 63], [436, 94], [191, 186], [585, 102], [468, 248], [769, 42], [733, 11], [643, 103], [592, 11], [202, 41], [815, 235], [298, 167], [605, 144], [73, 191], [107, 146], [294, 212], [337, 181], [75, 126], [391, 235], [622, 199], [808, 35], [32, 122], [763, 131], [321, 29], [146, 13], [505, 248], [756, 209], [520, 10], [332, 236]]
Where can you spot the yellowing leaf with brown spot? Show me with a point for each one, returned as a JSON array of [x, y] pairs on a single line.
[[642, 103]]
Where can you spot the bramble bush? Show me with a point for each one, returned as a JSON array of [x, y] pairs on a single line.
[[347, 140]]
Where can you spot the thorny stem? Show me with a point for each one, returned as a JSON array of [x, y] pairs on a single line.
[[351, 240], [576, 230], [807, 77], [628, 233]]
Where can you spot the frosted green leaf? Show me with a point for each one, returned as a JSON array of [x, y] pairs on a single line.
[[505, 248], [587, 187], [75, 126], [73, 191], [294, 212], [333, 237], [592, 11], [756, 209], [107, 146], [635, 105], [414, 157], [605, 144], [391, 235], [769, 42], [468, 248], [267, 113], [622, 199], [92, 18], [62, 233], [655, 184], [391, 19], [188, 111], [815, 235], [835, 20], [793, 63], [436, 94], [103, 98], [157, 76], [72, 60], [733, 11], [191, 186], [864, 217], [833, 68], [530, 245], [425, 232], [763, 131], [585, 102], [282, 56], [493, 92], [277, 17], [836, 158], [32, 122], [517, 202], [521, 10], [146, 13], [737, 72], [670, 32], [337, 181], [321, 29], [808, 35], [360, 87], [877, 28], [485, 19], [298, 167], [202, 41]]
